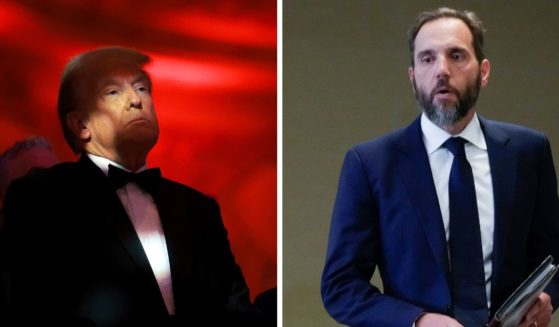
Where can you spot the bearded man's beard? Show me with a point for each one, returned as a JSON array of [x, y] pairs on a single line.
[[443, 114]]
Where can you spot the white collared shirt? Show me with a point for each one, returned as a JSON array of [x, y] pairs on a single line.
[[441, 159], [143, 213]]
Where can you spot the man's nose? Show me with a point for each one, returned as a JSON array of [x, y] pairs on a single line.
[[443, 69], [134, 99]]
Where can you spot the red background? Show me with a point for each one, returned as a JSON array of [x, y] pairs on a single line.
[[214, 77]]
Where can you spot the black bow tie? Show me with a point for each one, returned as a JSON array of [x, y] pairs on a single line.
[[147, 179]]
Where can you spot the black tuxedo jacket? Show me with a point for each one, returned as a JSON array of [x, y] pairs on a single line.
[[75, 258]]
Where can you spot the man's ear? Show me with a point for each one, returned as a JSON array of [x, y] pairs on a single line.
[[485, 70], [77, 125]]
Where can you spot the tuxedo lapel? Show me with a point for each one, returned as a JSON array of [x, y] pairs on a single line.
[[107, 205], [503, 164], [416, 172], [174, 213]]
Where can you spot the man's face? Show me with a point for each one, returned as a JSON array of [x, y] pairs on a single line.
[[447, 76], [120, 116]]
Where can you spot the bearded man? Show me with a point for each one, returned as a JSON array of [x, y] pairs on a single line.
[[454, 210]]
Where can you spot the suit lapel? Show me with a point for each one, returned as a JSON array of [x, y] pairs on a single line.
[[108, 206], [421, 190], [503, 164], [173, 213]]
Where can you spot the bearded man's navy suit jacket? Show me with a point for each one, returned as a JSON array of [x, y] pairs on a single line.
[[387, 216]]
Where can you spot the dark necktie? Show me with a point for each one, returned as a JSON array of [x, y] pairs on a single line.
[[466, 256], [147, 179]]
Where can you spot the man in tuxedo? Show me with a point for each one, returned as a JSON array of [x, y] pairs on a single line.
[[104, 241], [454, 210]]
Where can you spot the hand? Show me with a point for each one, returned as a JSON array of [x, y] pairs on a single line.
[[436, 320], [539, 314]]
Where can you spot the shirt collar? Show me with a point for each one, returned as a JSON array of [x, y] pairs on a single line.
[[103, 164], [434, 136]]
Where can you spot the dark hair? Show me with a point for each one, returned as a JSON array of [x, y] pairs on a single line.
[[468, 17], [77, 73]]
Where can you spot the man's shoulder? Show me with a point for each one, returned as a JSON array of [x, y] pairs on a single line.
[[59, 172], [518, 134], [388, 143], [387, 140], [383, 152], [179, 189], [509, 127]]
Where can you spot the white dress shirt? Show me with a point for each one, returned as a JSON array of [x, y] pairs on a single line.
[[143, 213], [441, 159]]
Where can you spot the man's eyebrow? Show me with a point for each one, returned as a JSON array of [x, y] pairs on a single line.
[[111, 81], [140, 77], [454, 49], [430, 52], [108, 81], [425, 53]]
